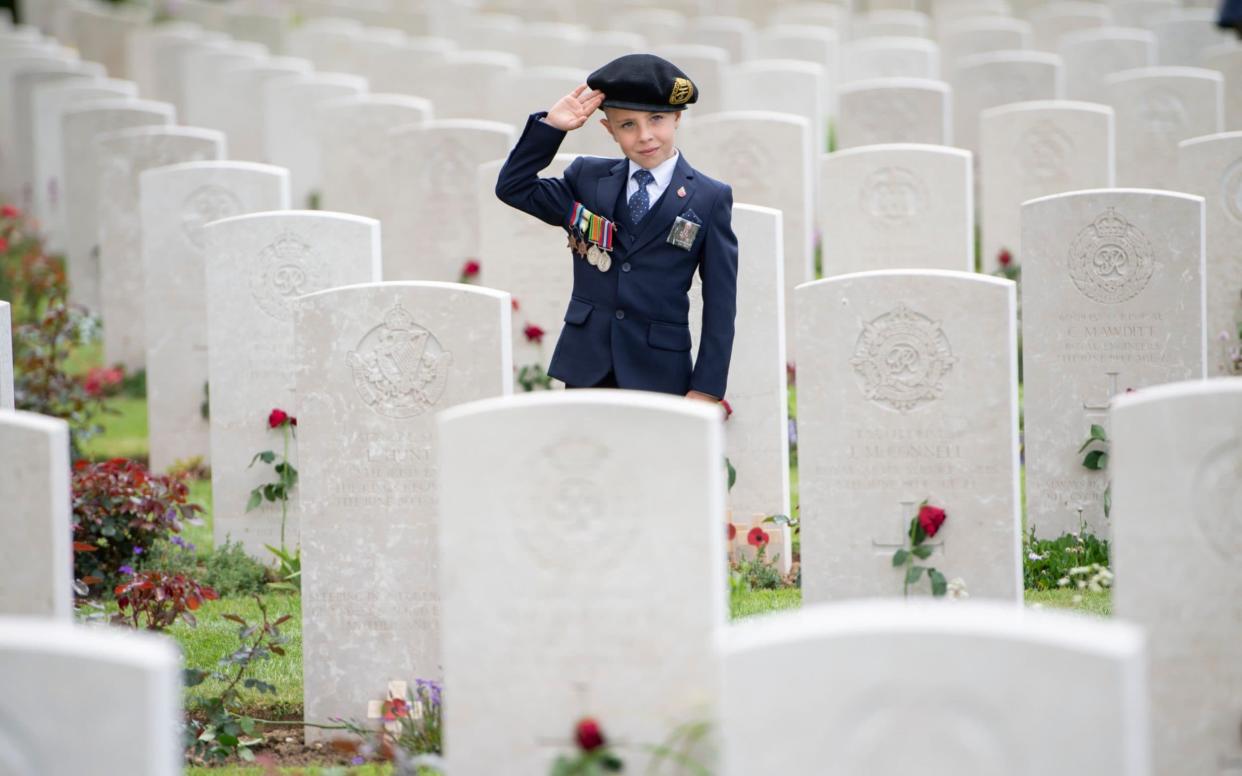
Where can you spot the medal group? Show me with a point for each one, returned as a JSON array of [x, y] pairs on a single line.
[[591, 237]]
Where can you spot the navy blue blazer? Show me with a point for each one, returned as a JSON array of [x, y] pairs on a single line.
[[633, 319]]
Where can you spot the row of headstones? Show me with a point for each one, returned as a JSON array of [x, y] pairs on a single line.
[[540, 614]]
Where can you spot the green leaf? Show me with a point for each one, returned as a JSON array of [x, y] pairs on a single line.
[[900, 557], [256, 498], [1095, 460], [938, 583], [922, 552], [192, 677], [245, 754], [247, 725], [1108, 500], [913, 573], [732, 473], [917, 534], [1098, 432], [267, 456]]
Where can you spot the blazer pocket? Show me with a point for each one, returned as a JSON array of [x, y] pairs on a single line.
[[578, 311], [669, 336]]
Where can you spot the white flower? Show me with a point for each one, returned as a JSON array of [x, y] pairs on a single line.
[[1035, 556], [1063, 581], [957, 588], [1076, 600]]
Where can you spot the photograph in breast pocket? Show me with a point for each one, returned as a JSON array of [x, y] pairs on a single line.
[[682, 233]]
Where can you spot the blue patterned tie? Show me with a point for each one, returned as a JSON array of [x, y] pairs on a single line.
[[640, 202]]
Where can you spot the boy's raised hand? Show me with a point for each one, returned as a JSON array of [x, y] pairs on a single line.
[[573, 110]]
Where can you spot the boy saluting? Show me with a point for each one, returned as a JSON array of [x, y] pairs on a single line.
[[638, 229]]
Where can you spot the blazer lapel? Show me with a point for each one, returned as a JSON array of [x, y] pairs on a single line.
[[659, 220], [608, 188]]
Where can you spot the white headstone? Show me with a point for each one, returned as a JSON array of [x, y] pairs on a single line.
[[79, 127], [395, 69], [517, 95], [1211, 167], [894, 110], [783, 86], [1036, 149], [985, 81], [267, 27], [50, 671], [908, 392], [1112, 299], [36, 562], [755, 153], [548, 44], [1092, 55], [706, 66], [873, 58], [326, 42], [1157, 107], [888, 23], [48, 178], [244, 123], [1141, 13], [455, 86], [660, 26], [141, 45], [1176, 455], [731, 33], [374, 365], [1185, 33], [588, 53], [11, 154], [819, 45], [184, 71], [353, 154], [99, 31], [886, 689], [175, 202], [209, 101], [987, 35], [573, 628], [430, 195], [123, 156], [757, 433], [290, 136], [256, 265], [1053, 20], [901, 206], [6, 356], [1227, 60], [27, 143]]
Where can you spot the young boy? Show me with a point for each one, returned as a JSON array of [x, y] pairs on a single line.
[[638, 228]]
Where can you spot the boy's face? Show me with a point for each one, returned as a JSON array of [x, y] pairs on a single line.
[[645, 138]]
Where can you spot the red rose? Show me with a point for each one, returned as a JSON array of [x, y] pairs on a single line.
[[732, 532], [588, 735], [4, 245], [533, 333], [1004, 257], [8, 211], [277, 418], [470, 269], [757, 537], [728, 408], [514, 303], [931, 518]]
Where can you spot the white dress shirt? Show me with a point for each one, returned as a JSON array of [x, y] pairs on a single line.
[[663, 174]]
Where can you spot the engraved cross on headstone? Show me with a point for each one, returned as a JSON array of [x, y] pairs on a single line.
[[906, 510]]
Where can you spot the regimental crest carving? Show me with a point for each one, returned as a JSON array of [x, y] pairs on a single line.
[[1218, 492], [1044, 152], [285, 269], [893, 196], [1231, 191], [902, 358], [204, 205], [1163, 115], [570, 489], [400, 369], [1110, 261]]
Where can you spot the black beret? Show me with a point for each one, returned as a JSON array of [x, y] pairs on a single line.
[[643, 82]]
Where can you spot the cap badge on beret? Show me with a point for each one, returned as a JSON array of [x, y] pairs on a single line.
[[683, 90]]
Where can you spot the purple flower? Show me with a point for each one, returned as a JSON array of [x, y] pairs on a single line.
[[126, 570], [183, 544], [358, 760], [793, 431], [138, 550]]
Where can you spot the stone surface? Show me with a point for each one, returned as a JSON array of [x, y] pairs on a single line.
[[374, 364], [547, 616], [290, 136], [781, 86], [37, 577], [352, 135], [99, 31], [1092, 55], [983, 81], [1112, 299], [755, 152], [1156, 108], [141, 45], [1211, 167], [707, 65], [1184, 34], [890, 23], [872, 58], [517, 95], [6, 356], [900, 206], [396, 68], [1051, 21], [175, 202], [894, 110], [911, 396], [807, 43], [256, 265], [50, 671], [27, 143], [11, 154], [430, 198], [455, 85], [981, 35], [757, 433], [1035, 149], [123, 156], [1227, 60], [527, 258], [244, 85], [1192, 473], [48, 175], [887, 689], [208, 103], [731, 33], [79, 128]]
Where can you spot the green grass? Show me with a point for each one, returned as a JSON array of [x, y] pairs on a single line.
[[237, 770], [200, 535], [767, 601], [125, 430], [764, 601]]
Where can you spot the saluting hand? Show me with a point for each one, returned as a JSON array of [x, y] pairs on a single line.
[[573, 110]]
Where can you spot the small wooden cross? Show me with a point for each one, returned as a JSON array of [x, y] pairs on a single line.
[[396, 689]]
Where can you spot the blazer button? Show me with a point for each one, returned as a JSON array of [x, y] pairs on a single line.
[[620, 314], [625, 267]]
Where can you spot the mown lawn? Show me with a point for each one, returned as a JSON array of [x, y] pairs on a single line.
[[235, 770]]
